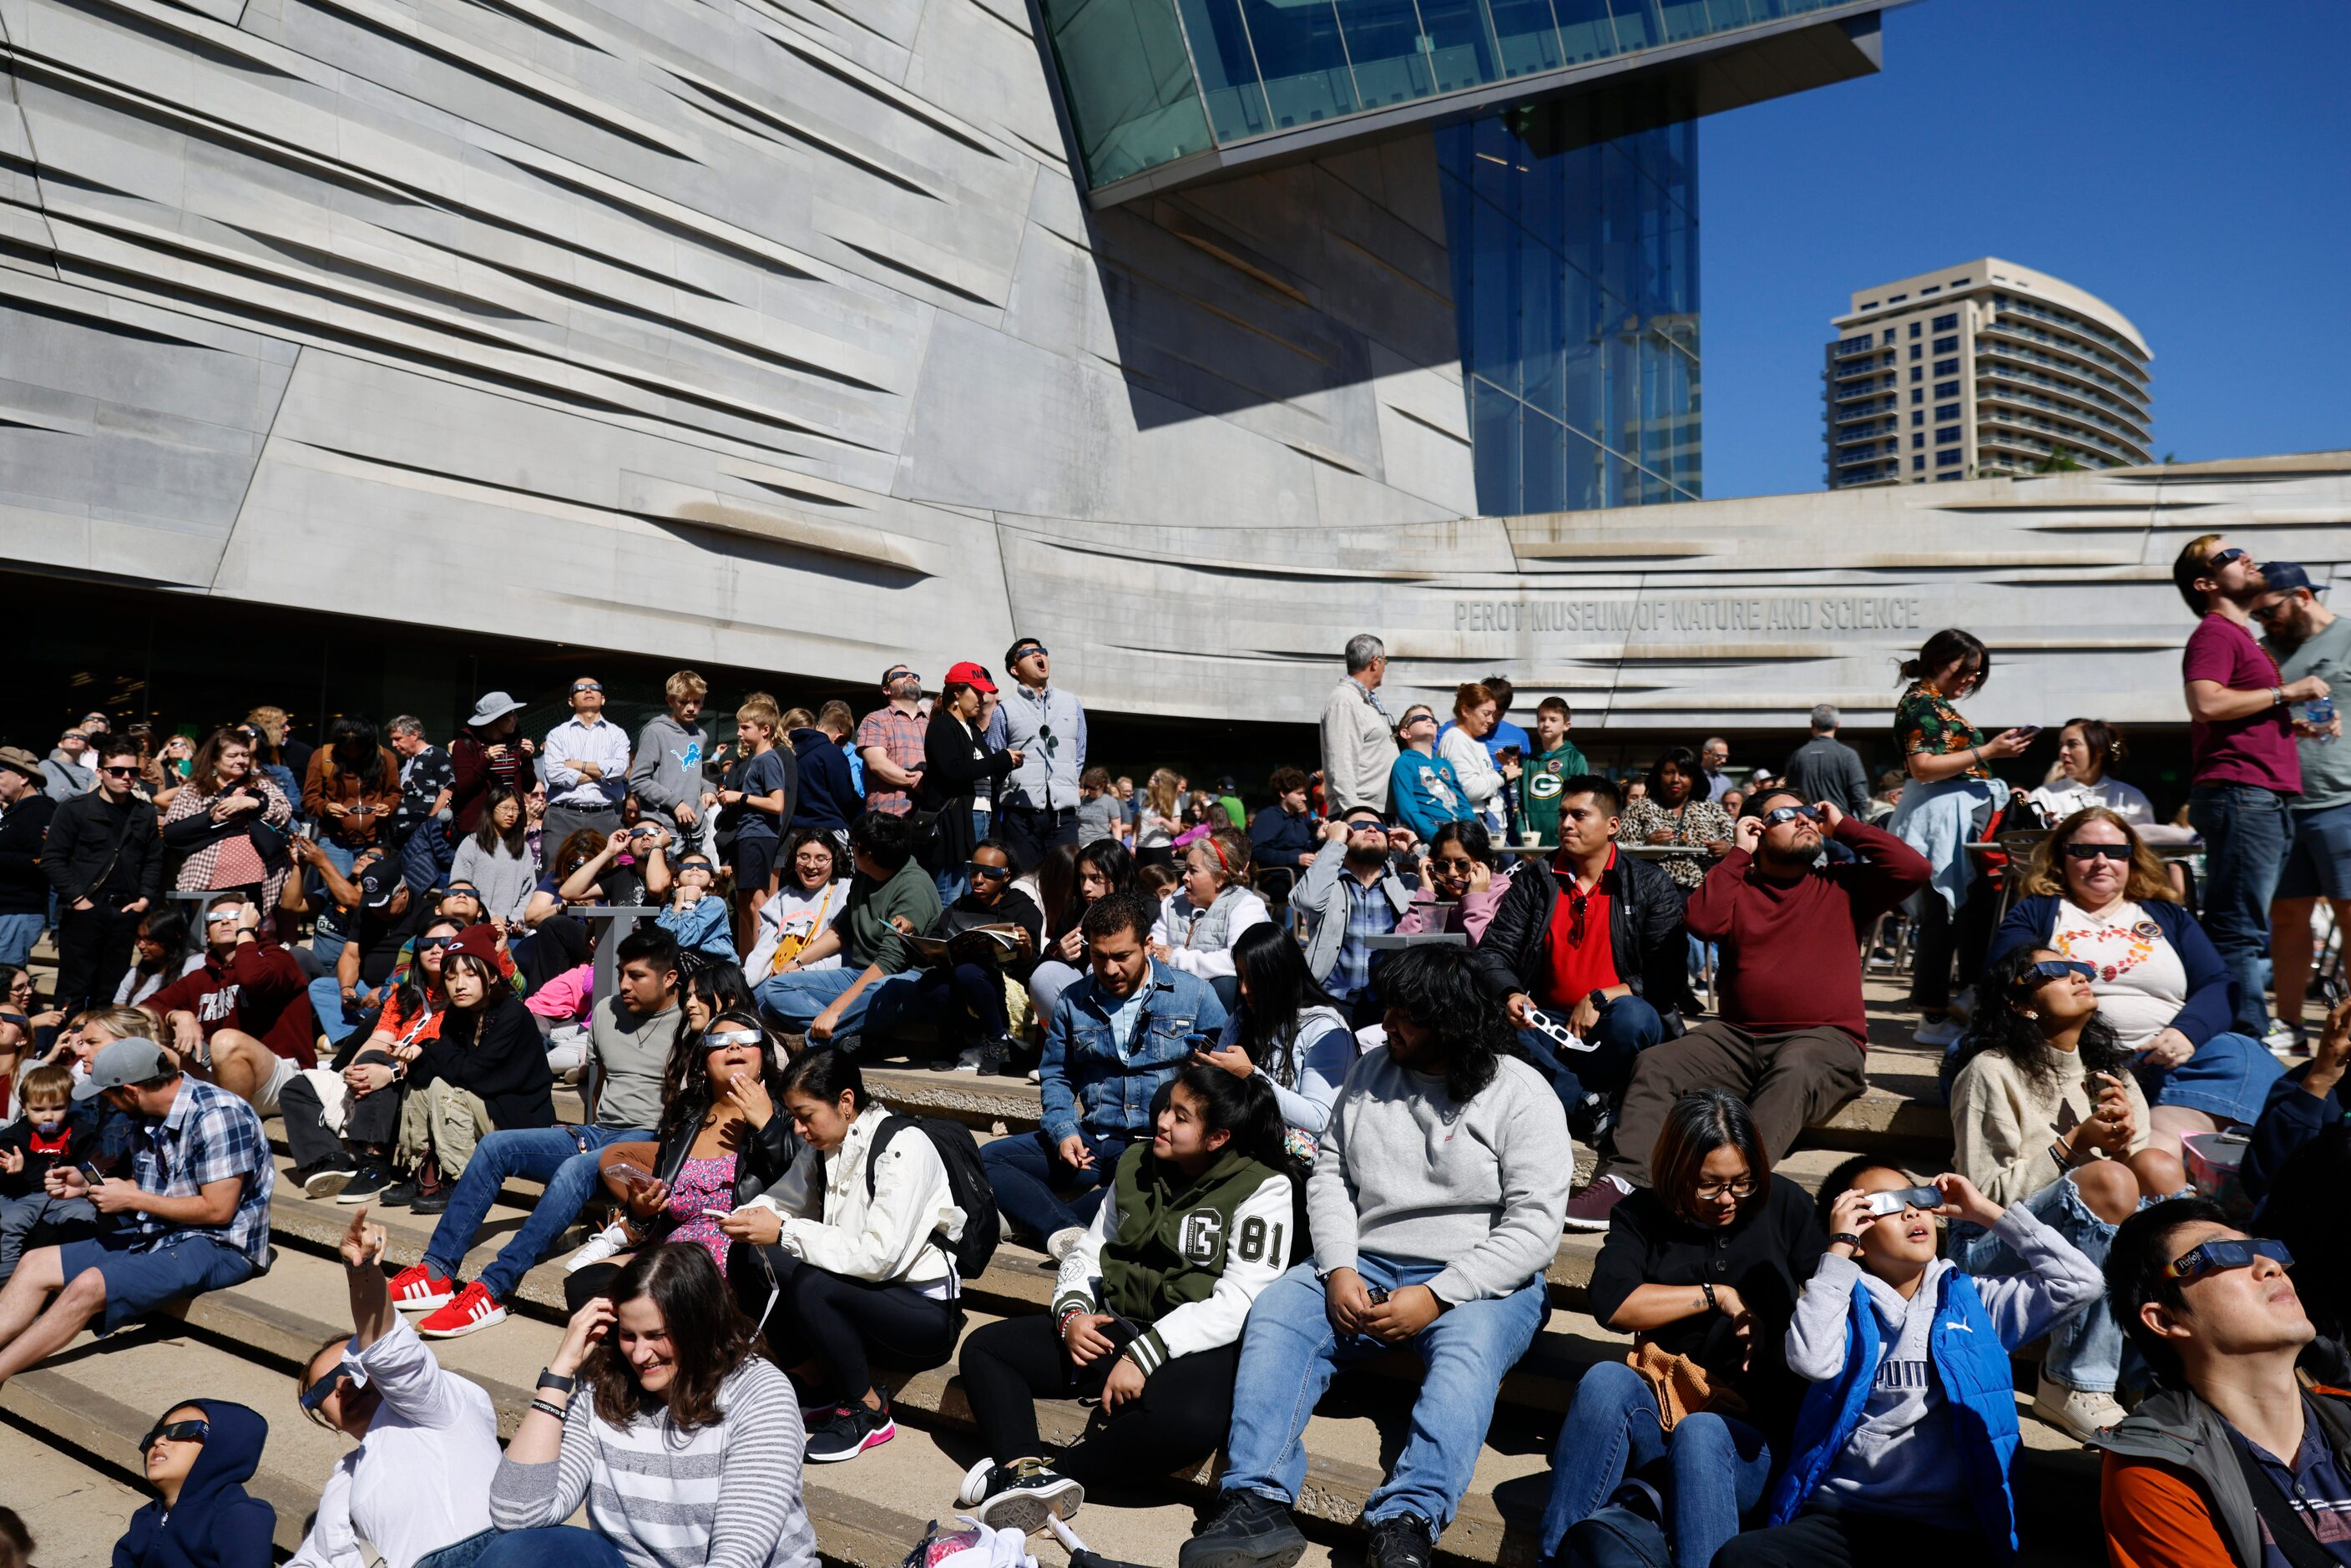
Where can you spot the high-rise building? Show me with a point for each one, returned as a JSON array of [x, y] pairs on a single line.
[[1982, 369]]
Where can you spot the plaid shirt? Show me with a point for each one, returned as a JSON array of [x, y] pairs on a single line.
[[900, 735], [1368, 916], [209, 1135]]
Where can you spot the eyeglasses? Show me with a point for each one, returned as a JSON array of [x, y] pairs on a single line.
[[1779, 814], [221, 917], [2216, 561], [120, 772], [720, 1040], [579, 686], [1741, 1190], [1926, 1200], [177, 1432], [2097, 851], [2211, 1257], [992, 872], [2049, 969]]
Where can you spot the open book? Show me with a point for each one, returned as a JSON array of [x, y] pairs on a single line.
[[992, 944]]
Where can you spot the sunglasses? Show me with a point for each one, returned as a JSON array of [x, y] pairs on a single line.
[[2049, 969], [2211, 1257], [221, 917], [896, 675], [1924, 1198], [1367, 825], [177, 1432], [426, 944], [992, 872], [2215, 562], [1026, 648], [694, 865], [720, 1040], [1045, 733], [2097, 851], [1779, 814], [579, 686], [319, 1393], [120, 772]]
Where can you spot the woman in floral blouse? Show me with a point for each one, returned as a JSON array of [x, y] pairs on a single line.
[[1675, 812]]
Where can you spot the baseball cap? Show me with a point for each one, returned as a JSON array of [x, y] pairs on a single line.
[[22, 760], [119, 1063], [379, 882], [970, 675], [2282, 576]]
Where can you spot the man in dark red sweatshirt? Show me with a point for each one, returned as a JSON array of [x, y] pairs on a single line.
[[1791, 1035], [244, 1021]]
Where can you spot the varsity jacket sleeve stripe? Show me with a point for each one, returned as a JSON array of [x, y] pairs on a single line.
[[1258, 1239]]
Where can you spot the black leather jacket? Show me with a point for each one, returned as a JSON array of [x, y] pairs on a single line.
[[759, 1165], [1645, 933]]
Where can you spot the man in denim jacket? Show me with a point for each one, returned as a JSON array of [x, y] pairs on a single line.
[[1118, 1034]]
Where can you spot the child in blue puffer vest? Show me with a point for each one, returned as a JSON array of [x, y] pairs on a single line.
[[1902, 1447]]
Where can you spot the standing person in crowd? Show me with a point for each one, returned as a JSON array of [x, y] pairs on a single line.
[[495, 858], [25, 814], [825, 800], [1905, 1441], [631, 1038], [1594, 940], [1485, 785], [835, 719], [2307, 640], [751, 808], [1157, 819], [2244, 766], [656, 1414], [2088, 750], [1103, 867], [428, 787], [956, 761], [1714, 756], [1351, 893], [231, 823], [352, 789], [1211, 906], [892, 897], [2045, 1114], [1504, 735], [2233, 1461], [192, 1216], [1287, 1032], [1426, 793], [490, 752], [486, 1072], [1036, 802], [1283, 839], [1949, 803], [1435, 1207], [1674, 811], [1357, 743], [417, 1486], [1826, 768], [196, 1458], [1790, 1038], [1555, 760], [1100, 816], [852, 1242], [70, 769], [587, 761], [1199, 1220], [1460, 885], [244, 1019], [1117, 1035], [893, 740], [1702, 1270], [666, 774], [812, 889], [2094, 891], [104, 859]]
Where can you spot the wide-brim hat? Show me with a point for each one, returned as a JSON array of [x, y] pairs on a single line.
[[22, 760], [493, 706]]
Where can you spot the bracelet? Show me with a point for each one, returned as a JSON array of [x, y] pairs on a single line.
[[550, 1378], [1062, 1323], [2277, 696], [554, 1410], [1711, 1304], [1848, 1238], [2061, 1155]]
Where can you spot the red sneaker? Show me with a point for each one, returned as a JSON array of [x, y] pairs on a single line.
[[473, 1310], [417, 1289]]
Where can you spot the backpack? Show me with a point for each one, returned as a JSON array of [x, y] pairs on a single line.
[[966, 1179], [1626, 1531]]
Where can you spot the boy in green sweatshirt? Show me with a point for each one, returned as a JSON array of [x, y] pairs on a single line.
[[1556, 761]]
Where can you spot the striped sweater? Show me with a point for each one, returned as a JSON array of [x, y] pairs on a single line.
[[727, 1495]]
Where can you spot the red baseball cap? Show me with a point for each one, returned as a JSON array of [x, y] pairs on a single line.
[[970, 675]]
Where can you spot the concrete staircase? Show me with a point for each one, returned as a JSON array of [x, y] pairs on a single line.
[[86, 1410]]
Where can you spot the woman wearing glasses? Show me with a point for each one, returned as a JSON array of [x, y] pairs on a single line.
[[2095, 892], [1703, 1269], [2045, 1114], [197, 1458]]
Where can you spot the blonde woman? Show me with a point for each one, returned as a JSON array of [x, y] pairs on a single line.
[[1155, 832]]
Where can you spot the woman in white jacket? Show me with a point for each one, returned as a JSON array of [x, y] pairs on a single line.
[[1201, 921], [1476, 711], [849, 1255]]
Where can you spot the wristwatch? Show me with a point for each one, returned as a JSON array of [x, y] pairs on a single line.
[[1599, 1000], [1848, 1238], [557, 1381]]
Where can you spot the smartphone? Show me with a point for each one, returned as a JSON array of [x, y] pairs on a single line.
[[1378, 1293], [2028, 730], [2330, 991], [629, 1174], [718, 1213]]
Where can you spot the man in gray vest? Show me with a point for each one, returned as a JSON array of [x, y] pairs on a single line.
[[1037, 803], [1358, 741]]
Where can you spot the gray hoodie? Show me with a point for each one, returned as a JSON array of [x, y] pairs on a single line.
[[62, 778], [667, 767]]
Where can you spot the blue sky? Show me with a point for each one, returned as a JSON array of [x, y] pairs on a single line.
[[2190, 165]]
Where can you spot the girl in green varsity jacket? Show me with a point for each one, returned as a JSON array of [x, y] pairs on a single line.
[[1148, 1308]]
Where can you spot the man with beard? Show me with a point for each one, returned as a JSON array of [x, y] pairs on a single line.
[[1790, 1036], [1349, 895], [891, 741], [2307, 639], [2243, 768]]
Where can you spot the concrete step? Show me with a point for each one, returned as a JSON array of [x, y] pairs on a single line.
[[74, 1509]]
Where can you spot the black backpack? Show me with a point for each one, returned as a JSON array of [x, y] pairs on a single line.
[[1627, 1531], [966, 1179]]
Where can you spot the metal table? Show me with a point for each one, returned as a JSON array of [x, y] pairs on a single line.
[[1393, 941]]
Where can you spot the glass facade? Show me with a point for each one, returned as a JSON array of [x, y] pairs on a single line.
[[1575, 287], [1149, 81]]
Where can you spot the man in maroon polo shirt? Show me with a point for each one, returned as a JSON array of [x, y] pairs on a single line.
[[244, 1021]]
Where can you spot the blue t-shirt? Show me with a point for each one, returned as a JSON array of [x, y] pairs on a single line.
[[1424, 793], [760, 775]]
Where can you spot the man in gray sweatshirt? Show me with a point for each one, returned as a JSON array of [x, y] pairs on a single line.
[[1435, 1204], [665, 775]]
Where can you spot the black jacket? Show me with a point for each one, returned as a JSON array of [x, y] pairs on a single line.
[[496, 1052], [22, 889], [826, 799], [81, 856], [954, 759], [759, 1164], [1279, 839], [1645, 933]]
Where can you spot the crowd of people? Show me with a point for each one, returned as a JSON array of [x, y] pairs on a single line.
[[1317, 1083]]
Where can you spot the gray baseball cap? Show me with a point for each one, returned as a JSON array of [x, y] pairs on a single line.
[[119, 1063]]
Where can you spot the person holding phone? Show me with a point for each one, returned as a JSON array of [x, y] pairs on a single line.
[[2045, 1112]]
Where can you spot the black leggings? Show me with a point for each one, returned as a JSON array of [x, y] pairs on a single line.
[[1186, 1408], [1817, 1538], [841, 1324]]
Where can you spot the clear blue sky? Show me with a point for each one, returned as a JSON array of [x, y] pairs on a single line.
[[2188, 164]]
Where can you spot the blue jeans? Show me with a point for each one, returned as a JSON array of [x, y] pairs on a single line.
[[794, 1000], [1628, 1026], [425, 859], [17, 935], [562, 1157], [334, 1019], [68, 1219], [2086, 1350], [1289, 1351], [2229, 1077], [557, 1546], [1713, 1473], [1024, 1172], [2245, 830], [460, 1553]]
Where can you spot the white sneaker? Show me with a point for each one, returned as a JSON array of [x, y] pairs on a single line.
[[1936, 1033], [1036, 1075], [967, 1060], [2281, 1036], [606, 1243], [1057, 1245], [2076, 1412]]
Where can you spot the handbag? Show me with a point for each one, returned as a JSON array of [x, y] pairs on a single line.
[[1681, 1386], [269, 842]]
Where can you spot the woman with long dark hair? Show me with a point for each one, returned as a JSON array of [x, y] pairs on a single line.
[[496, 857], [1148, 1308], [1287, 1030], [1675, 810], [1703, 1269], [486, 1072], [658, 1415], [351, 788], [1102, 867]]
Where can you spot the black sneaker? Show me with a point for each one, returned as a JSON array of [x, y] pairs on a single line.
[[433, 1201], [399, 1194], [1405, 1540], [372, 1179], [326, 1178], [995, 1058], [1019, 1496], [1246, 1531], [853, 1429]]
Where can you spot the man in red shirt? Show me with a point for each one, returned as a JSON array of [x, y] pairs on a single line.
[[2243, 768], [244, 1021], [1790, 1038]]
